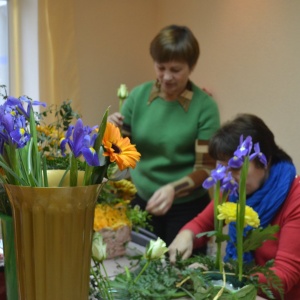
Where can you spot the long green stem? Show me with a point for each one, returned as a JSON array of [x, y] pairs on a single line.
[[142, 271], [241, 207], [218, 226], [216, 203], [73, 170], [104, 286], [219, 260]]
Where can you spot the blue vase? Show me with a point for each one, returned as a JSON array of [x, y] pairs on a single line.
[[10, 269]]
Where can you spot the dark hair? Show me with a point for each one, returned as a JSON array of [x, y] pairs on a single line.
[[226, 140], [175, 43]]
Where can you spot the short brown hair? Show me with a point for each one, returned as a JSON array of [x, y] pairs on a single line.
[[175, 43]]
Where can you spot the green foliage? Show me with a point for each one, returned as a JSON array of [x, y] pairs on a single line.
[[63, 113], [5, 206], [192, 278], [157, 282], [49, 134], [273, 281], [256, 237], [139, 218]]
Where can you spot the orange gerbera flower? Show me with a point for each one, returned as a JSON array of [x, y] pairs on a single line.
[[119, 149]]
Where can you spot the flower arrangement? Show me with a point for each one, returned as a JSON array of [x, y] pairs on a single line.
[[101, 149], [93, 155], [113, 209], [115, 217], [249, 234], [206, 277]]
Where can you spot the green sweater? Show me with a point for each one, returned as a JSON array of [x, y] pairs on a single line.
[[165, 134]]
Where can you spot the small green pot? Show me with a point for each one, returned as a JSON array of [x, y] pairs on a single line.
[[10, 269], [241, 292]]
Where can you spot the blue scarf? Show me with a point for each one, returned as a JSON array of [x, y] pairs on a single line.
[[266, 202]]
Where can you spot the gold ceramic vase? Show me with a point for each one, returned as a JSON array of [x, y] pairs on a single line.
[[53, 236]]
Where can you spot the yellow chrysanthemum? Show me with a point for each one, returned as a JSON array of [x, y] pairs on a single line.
[[251, 217], [125, 188], [110, 216], [119, 149], [227, 212]]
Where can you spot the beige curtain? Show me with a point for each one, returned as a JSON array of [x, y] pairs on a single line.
[[58, 68], [14, 48]]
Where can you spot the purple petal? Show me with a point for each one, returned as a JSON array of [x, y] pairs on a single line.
[[262, 158], [90, 156], [209, 182], [245, 147], [235, 162], [219, 172]]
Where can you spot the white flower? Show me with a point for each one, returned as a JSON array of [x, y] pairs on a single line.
[[98, 247], [156, 249], [123, 91]]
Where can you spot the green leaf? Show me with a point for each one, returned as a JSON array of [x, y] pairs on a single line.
[[207, 233], [256, 237]]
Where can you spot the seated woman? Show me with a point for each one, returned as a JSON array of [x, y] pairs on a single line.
[[273, 191]]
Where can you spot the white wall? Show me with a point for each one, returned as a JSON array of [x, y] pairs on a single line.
[[113, 39], [249, 55]]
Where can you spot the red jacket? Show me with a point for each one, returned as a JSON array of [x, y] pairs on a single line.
[[285, 250]]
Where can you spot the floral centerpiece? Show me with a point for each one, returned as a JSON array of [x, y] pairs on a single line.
[[249, 235], [44, 214], [207, 277], [115, 218]]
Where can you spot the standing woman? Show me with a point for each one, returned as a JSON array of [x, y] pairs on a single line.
[[171, 121]]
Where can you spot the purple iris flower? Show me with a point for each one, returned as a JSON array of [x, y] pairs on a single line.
[[88, 152], [19, 135], [244, 147], [17, 104], [217, 174], [235, 162], [13, 128], [257, 153], [81, 143], [220, 172], [209, 182], [229, 184]]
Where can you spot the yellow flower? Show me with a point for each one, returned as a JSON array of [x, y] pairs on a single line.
[[119, 149], [110, 216], [227, 212], [251, 217], [125, 188]]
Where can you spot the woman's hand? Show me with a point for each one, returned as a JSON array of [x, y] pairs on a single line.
[[182, 244], [116, 118], [161, 200]]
